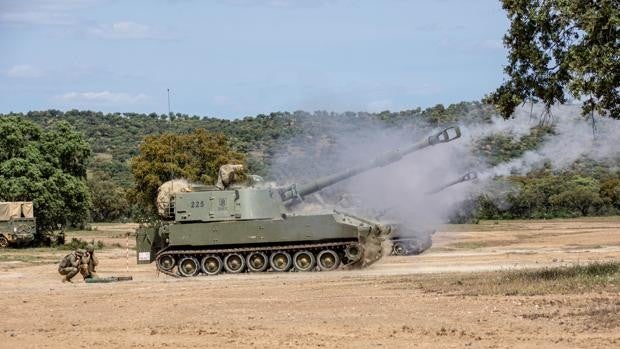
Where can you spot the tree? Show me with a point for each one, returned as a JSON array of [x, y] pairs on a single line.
[[109, 200], [580, 196], [195, 156], [46, 167], [561, 48]]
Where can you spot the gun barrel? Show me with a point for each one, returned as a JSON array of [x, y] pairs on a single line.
[[447, 135], [469, 176]]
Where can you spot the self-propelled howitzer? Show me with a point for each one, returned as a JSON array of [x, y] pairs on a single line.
[[235, 229]]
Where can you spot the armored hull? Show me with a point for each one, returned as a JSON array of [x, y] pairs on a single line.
[[293, 242]]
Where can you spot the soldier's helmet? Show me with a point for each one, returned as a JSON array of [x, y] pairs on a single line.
[[80, 252], [90, 248]]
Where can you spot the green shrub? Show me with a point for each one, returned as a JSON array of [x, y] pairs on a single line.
[[77, 243]]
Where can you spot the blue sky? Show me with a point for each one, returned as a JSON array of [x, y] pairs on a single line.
[[233, 58]]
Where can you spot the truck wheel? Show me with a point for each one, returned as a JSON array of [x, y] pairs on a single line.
[[4, 243]]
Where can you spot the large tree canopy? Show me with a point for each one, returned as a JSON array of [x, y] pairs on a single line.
[[195, 156], [46, 167], [559, 49]]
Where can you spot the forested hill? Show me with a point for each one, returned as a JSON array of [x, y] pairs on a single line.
[[584, 187], [115, 137]]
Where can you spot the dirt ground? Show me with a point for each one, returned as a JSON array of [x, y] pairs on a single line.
[[382, 306]]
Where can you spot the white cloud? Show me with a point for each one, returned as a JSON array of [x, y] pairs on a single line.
[[469, 45], [125, 30], [221, 100], [24, 71], [277, 3], [493, 44], [43, 12], [102, 97], [35, 18], [52, 5]]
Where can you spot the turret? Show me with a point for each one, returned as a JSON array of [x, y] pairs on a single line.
[[299, 191]]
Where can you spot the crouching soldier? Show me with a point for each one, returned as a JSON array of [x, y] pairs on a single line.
[[71, 264], [88, 263]]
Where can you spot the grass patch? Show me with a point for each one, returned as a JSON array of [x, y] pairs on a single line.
[[468, 245], [589, 272], [575, 279], [77, 243], [605, 315], [25, 258], [472, 245]]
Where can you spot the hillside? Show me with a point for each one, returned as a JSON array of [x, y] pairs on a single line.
[[280, 146], [115, 137]]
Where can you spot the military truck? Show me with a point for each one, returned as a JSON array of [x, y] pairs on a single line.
[[232, 228], [17, 223]]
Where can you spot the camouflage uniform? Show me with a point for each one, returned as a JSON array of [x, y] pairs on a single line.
[[89, 262], [70, 265]]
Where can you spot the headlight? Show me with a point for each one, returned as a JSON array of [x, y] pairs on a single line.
[[15, 229]]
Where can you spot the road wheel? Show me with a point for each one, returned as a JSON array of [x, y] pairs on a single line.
[[328, 260], [399, 249], [212, 264], [234, 263], [4, 243], [353, 252], [304, 261], [188, 266], [257, 261], [166, 262], [280, 261]]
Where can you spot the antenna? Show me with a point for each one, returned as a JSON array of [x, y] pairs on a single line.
[[168, 102]]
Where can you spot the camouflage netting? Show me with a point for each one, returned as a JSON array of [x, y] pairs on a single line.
[[166, 191], [227, 175], [18, 209]]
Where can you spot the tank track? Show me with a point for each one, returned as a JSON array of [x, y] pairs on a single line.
[[315, 248]]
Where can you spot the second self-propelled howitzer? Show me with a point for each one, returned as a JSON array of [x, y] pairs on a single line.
[[230, 228], [408, 240]]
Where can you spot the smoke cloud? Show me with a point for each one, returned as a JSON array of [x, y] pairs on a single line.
[[398, 192]]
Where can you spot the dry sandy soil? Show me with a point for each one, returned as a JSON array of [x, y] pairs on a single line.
[[396, 303]]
